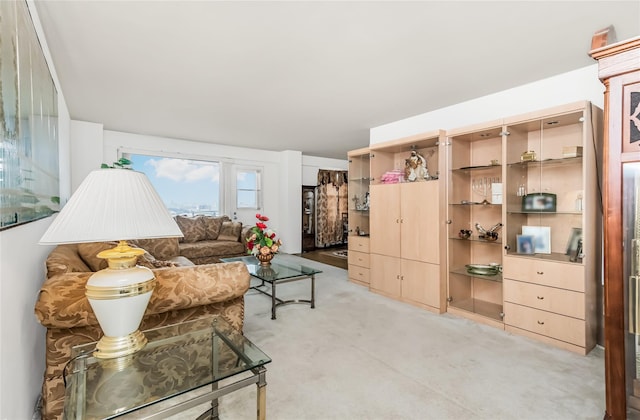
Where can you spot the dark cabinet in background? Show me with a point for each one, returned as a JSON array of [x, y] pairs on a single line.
[[308, 218]]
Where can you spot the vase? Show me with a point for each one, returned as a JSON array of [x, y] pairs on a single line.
[[265, 259]]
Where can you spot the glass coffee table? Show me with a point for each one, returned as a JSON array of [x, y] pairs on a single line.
[[277, 273], [190, 356]]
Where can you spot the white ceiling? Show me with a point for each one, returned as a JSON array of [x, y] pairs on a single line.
[[308, 76]]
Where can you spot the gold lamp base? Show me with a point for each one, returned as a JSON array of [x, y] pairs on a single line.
[[112, 347]]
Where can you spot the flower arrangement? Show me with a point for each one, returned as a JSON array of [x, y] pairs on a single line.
[[262, 240]]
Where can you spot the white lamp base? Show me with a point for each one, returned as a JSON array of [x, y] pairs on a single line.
[[119, 296]]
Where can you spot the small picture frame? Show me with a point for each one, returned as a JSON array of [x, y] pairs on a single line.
[[525, 244], [541, 238], [539, 202], [574, 239]]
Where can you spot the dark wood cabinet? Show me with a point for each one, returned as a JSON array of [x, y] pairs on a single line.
[[619, 70], [308, 218]]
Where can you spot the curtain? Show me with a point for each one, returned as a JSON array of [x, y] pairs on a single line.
[[331, 206]]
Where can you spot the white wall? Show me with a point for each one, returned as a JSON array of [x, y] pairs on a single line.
[[578, 85], [22, 349], [86, 150]]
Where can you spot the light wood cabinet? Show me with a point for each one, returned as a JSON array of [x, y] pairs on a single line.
[[489, 187], [407, 223], [551, 202], [474, 180], [358, 222], [537, 175], [547, 299]]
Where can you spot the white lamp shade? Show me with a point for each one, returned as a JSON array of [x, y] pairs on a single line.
[[111, 205]]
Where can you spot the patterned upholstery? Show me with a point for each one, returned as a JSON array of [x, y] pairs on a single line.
[[162, 249], [230, 231], [193, 228], [212, 225], [182, 293]]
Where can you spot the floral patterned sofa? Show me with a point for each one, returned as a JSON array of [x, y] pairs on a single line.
[[206, 239], [184, 291]]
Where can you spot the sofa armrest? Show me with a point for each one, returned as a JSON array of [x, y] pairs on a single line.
[[62, 303]]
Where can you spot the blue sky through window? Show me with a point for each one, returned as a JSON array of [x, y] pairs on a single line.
[[186, 186]]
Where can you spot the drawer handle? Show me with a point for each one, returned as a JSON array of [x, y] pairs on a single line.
[[540, 297], [540, 322], [540, 272]]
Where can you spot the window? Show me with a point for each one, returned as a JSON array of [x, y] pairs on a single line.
[[187, 187], [248, 188]]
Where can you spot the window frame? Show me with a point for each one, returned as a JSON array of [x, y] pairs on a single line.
[[258, 171]]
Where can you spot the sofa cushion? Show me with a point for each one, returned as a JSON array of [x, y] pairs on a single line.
[[162, 248], [215, 248], [89, 253], [230, 231], [65, 259], [193, 228], [213, 225]]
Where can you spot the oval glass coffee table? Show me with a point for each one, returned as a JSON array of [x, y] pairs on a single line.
[[277, 273]]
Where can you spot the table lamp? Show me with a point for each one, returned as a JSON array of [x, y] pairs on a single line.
[[115, 205]]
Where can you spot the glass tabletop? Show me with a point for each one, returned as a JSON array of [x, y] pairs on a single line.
[[278, 270], [177, 359]]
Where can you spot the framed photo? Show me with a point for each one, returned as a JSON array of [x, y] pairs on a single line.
[[539, 202], [574, 239], [541, 238], [525, 244]]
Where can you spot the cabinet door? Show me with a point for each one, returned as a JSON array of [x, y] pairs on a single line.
[[385, 220], [420, 221], [384, 275], [421, 282]]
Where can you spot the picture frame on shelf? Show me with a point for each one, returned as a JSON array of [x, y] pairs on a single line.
[[574, 239], [525, 244], [539, 202], [541, 238]]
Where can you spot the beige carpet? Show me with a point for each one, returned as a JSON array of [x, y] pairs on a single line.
[[362, 356]]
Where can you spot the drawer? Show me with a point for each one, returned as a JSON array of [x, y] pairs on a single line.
[[359, 274], [552, 325], [547, 273], [358, 243], [560, 301], [358, 258]]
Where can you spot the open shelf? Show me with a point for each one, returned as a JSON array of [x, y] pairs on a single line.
[[480, 307], [472, 239], [547, 163], [469, 169]]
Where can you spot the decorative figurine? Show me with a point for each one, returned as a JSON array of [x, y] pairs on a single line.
[[415, 168]]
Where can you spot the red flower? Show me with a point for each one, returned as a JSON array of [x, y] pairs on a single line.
[[273, 235], [262, 218], [250, 244], [261, 225]]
